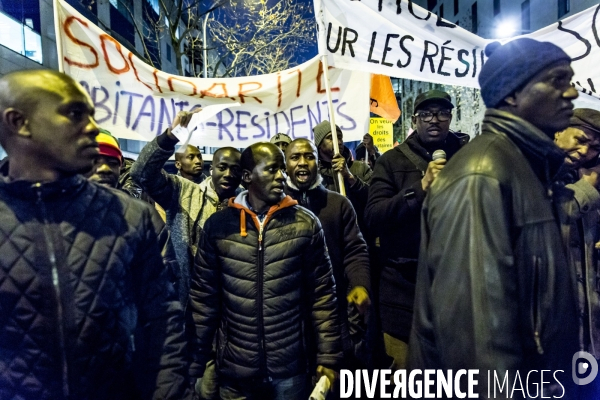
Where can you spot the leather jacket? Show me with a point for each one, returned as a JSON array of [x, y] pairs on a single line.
[[494, 291]]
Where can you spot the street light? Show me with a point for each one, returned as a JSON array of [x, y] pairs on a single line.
[[204, 43], [506, 28]]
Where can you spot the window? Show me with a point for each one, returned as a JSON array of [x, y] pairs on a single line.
[[431, 4], [125, 8], [154, 5], [564, 6], [20, 38], [496, 7], [442, 11], [525, 17], [455, 7], [122, 26], [168, 53], [474, 18]]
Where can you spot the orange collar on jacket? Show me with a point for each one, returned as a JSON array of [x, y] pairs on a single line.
[[287, 201]]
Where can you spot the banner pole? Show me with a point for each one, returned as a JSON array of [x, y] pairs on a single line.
[[59, 47], [336, 147]]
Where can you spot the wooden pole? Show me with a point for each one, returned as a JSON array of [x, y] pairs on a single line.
[[336, 147], [57, 29]]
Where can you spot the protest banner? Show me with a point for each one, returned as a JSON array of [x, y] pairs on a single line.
[[136, 101], [400, 39], [382, 131]]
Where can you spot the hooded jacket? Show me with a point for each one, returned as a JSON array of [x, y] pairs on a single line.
[[86, 307], [266, 283], [494, 290]]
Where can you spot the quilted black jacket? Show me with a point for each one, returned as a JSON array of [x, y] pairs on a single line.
[[273, 299], [86, 308]]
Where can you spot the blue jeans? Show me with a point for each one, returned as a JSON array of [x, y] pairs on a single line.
[[295, 388]]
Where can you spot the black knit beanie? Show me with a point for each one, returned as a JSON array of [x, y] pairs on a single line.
[[513, 64]]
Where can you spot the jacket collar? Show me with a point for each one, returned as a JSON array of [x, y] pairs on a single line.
[[241, 202], [453, 142], [316, 184], [63, 187], [200, 179], [544, 156], [209, 190]]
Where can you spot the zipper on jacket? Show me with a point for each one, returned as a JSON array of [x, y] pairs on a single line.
[[57, 294], [260, 283], [536, 305]]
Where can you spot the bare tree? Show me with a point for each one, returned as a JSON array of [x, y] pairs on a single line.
[[177, 20], [251, 37]]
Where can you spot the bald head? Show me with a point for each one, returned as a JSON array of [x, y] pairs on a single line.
[[301, 158], [255, 153], [190, 163], [302, 141], [264, 175], [179, 155], [47, 122], [226, 172], [23, 89]]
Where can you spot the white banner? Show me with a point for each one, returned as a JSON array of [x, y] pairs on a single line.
[[136, 101], [400, 39]]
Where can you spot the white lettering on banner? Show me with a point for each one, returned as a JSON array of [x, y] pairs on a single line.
[[135, 101], [447, 383], [400, 39]]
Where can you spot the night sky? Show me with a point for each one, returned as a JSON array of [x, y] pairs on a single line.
[[313, 50]]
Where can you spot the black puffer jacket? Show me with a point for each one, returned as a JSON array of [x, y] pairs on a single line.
[[494, 290], [81, 285], [273, 300]]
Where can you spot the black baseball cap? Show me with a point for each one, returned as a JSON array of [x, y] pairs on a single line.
[[433, 96]]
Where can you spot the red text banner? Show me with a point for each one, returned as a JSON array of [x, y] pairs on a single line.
[[135, 101]]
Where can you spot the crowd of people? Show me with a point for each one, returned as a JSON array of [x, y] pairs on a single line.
[[119, 280]]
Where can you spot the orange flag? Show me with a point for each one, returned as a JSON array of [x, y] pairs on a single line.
[[383, 99]]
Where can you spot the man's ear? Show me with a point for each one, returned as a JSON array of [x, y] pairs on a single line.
[[413, 119], [511, 100], [16, 122], [177, 165], [210, 170], [247, 176]]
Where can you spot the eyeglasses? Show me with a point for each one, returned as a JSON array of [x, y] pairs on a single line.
[[427, 116]]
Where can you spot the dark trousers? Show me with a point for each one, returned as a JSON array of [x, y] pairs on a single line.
[[295, 388]]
